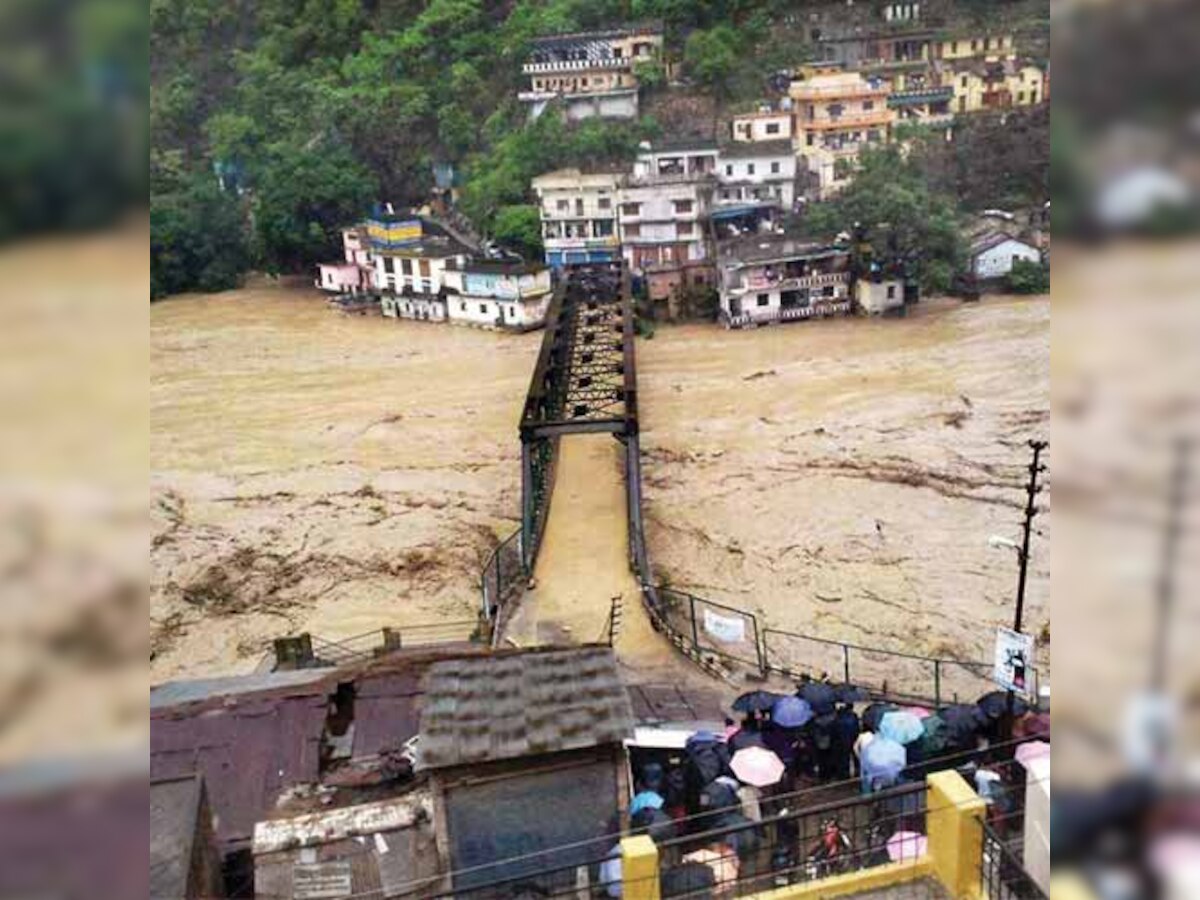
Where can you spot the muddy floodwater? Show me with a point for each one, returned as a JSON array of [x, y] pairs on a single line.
[[335, 474]]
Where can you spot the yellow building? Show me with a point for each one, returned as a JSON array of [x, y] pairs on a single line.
[[975, 46], [996, 84], [837, 115]]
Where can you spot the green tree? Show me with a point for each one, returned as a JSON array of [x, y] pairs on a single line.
[[519, 228], [1028, 277], [711, 56], [197, 239], [304, 197]]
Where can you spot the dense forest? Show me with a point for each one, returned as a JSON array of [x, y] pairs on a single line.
[[313, 109]]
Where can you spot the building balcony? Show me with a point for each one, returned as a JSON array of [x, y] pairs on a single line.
[[577, 65], [879, 118], [819, 280]]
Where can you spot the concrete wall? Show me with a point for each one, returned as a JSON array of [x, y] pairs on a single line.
[[423, 309], [340, 278], [875, 298], [757, 127], [425, 275]]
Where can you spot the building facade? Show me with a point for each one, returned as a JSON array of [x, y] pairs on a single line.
[[512, 296], [758, 172], [592, 74], [579, 216], [776, 278], [764, 124], [994, 255], [355, 274], [836, 116]]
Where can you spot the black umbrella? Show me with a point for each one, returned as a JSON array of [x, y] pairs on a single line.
[[820, 696], [850, 693], [653, 822], [963, 721], [743, 739], [718, 795], [691, 879], [874, 713], [755, 701], [743, 841], [995, 704]]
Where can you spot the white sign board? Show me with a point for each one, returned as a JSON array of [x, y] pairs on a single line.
[[1014, 660], [728, 629]]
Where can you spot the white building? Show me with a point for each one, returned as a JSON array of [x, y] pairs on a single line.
[[764, 124], [777, 278], [758, 172], [579, 216], [993, 255], [492, 294], [879, 297]]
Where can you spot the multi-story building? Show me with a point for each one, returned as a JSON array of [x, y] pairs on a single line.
[[494, 294], [767, 123], [579, 216], [996, 84], [974, 46], [356, 273], [777, 278], [836, 116], [591, 73], [758, 172]]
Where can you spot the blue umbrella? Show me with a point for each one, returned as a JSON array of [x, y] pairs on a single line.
[[791, 712], [702, 737], [645, 800], [882, 761], [901, 727]]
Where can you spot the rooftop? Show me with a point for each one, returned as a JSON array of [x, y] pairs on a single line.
[[497, 267], [762, 248], [679, 144], [990, 240], [551, 40], [752, 149], [174, 816], [512, 705]]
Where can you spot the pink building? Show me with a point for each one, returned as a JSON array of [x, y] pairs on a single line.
[[356, 274]]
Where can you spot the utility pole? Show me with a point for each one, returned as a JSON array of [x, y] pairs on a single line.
[[1032, 489], [1173, 531]]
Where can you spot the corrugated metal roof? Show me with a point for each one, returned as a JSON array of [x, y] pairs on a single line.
[[174, 818], [502, 707], [172, 693]]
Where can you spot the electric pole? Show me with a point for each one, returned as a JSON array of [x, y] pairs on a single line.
[[1032, 489], [1173, 530]]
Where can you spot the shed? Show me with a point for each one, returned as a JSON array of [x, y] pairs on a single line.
[[993, 254], [184, 861], [526, 752]]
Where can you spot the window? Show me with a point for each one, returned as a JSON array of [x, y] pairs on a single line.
[[774, 168], [684, 229], [891, 292], [963, 81], [604, 203], [618, 52], [954, 48], [406, 266], [562, 205], [772, 128], [423, 265], [868, 105], [763, 299], [836, 110], [602, 228], [683, 206], [483, 308], [462, 307], [729, 170], [633, 231], [974, 46], [631, 209], [987, 43], [387, 265], [584, 82], [1020, 96], [579, 206], [812, 139], [749, 168]]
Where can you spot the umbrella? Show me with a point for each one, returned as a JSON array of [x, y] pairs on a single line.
[[1032, 724], [690, 879], [744, 837], [882, 759], [757, 766], [1028, 752], [906, 845], [701, 737], [995, 704], [820, 696], [645, 800], [901, 727], [722, 864], [791, 712], [755, 701], [744, 739], [655, 823], [873, 713], [920, 712], [935, 736], [849, 693], [963, 721], [718, 795]]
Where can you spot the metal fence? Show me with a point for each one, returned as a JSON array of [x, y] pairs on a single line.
[[1002, 871], [713, 628], [310, 651], [795, 846], [503, 578]]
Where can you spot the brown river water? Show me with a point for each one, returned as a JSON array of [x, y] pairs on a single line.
[[331, 473]]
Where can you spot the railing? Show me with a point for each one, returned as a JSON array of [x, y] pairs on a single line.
[[789, 847], [311, 651], [1002, 873], [820, 279], [577, 65], [783, 314], [502, 580]]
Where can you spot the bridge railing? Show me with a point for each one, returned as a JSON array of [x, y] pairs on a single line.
[[502, 580]]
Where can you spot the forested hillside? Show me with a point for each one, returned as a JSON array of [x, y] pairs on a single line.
[[316, 108]]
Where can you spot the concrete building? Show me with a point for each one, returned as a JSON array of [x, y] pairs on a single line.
[[579, 216], [777, 278], [974, 46], [356, 272], [763, 171], [764, 124], [513, 296], [592, 74], [993, 255], [836, 116], [995, 83], [879, 297]]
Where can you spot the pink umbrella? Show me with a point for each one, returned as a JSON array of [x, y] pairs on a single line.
[[906, 845], [757, 766], [919, 711], [1030, 751]]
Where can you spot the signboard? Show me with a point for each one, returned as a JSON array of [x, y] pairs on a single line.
[[728, 629], [1014, 656], [321, 881]]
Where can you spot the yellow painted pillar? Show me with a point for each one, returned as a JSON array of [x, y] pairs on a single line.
[[639, 868], [953, 816]]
